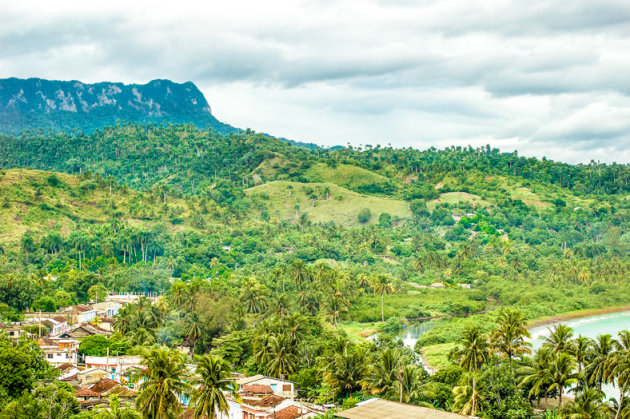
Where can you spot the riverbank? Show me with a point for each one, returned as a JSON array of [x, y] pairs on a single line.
[[572, 315]]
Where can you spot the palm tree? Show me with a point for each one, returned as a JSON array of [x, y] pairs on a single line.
[[300, 272], [537, 375], [382, 285], [193, 329], [618, 369], [409, 382], [599, 358], [280, 305], [116, 412], [466, 399], [559, 338], [562, 374], [509, 335], [346, 368], [208, 396], [580, 348], [587, 405], [282, 357], [162, 383], [472, 354], [383, 373]]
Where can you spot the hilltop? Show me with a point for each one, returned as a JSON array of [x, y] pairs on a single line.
[[68, 105]]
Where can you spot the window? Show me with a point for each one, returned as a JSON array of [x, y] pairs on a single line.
[[286, 387], [49, 356]]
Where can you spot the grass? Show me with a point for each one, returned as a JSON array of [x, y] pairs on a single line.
[[436, 356], [358, 331], [30, 202], [324, 202], [350, 177]]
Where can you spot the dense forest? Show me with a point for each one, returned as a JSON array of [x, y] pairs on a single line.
[[279, 259]]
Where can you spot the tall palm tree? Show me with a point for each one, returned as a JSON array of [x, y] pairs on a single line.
[[600, 355], [509, 335], [280, 305], [559, 338], [562, 374], [471, 355], [162, 383], [580, 348], [537, 376], [282, 357], [618, 370], [466, 399], [346, 368], [208, 396], [383, 372], [381, 284], [193, 329], [409, 383]]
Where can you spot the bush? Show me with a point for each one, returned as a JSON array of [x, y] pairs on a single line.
[[364, 215]]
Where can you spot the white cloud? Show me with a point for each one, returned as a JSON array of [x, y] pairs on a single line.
[[544, 78]]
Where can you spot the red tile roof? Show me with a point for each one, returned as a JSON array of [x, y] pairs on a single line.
[[289, 412], [103, 385], [82, 308], [271, 400], [60, 319], [86, 392], [257, 389]]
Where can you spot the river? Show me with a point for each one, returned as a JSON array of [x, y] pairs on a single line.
[[591, 327]]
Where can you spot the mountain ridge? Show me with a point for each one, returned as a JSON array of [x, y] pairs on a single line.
[[66, 105]]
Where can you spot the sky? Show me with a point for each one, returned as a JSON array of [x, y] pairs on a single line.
[[546, 78]]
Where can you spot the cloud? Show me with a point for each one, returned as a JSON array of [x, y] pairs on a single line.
[[544, 78]]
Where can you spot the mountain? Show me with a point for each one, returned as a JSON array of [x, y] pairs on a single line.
[[66, 105]]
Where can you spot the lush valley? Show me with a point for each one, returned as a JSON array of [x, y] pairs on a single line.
[[280, 259]]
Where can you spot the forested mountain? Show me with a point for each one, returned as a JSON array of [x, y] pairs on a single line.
[[70, 105]]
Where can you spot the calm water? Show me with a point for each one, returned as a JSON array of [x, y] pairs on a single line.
[[587, 326]]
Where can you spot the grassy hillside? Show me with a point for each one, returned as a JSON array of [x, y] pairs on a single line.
[[323, 202], [41, 202]]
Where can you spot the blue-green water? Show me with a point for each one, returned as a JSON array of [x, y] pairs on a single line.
[[591, 327]]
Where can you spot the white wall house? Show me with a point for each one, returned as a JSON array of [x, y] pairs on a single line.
[[82, 314]]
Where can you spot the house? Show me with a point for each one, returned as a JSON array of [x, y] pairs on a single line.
[[270, 407], [437, 285], [14, 332], [57, 325], [379, 409], [84, 331], [82, 314], [59, 351], [90, 376], [107, 309], [117, 366], [106, 323], [279, 387]]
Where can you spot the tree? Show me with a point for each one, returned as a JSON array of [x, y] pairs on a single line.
[[509, 336], [600, 355], [383, 372], [117, 412], [364, 215], [536, 376], [163, 383], [282, 359], [97, 292], [208, 397], [471, 355], [559, 338], [381, 284], [562, 374], [580, 348], [618, 368], [587, 405]]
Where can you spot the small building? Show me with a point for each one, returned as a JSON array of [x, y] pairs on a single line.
[[82, 314], [437, 285], [117, 366], [57, 325], [279, 387], [107, 309], [380, 409], [90, 376], [84, 331], [58, 352], [14, 332]]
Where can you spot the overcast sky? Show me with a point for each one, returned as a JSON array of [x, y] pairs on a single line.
[[547, 78]]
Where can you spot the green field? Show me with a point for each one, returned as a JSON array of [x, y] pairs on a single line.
[[324, 202]]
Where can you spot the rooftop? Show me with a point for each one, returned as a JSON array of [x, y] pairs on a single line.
[[385, 409]]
